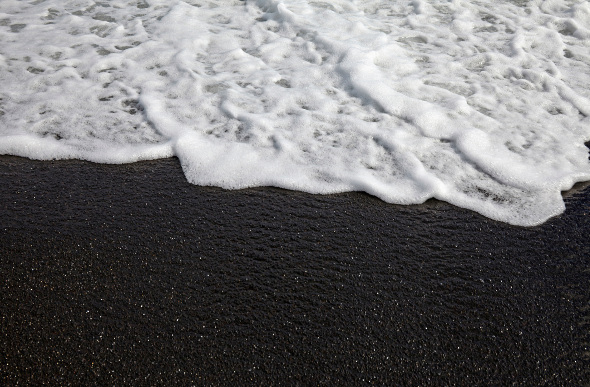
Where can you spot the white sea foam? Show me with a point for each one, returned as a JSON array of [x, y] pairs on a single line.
[[483, 104]]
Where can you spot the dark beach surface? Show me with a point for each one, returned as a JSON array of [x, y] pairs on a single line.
[[127, 274]]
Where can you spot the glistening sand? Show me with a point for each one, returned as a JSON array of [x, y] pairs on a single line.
[[127, 274]]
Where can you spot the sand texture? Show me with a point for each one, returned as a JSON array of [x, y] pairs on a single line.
[[127, 274]]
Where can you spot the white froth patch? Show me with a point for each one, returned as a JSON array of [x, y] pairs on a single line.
[[482, 104]]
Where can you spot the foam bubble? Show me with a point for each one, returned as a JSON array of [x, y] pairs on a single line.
[[482, 104]]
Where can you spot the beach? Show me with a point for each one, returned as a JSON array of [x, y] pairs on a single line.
[[127, 274], [295, 192]]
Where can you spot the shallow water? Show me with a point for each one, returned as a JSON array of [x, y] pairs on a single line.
[[483, 104]]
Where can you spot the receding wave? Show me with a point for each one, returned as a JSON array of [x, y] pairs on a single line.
[[483, 104]]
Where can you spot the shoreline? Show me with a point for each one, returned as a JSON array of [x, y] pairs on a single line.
[[128, 273]]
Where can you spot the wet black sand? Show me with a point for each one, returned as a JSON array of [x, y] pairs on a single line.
[[128, 274]]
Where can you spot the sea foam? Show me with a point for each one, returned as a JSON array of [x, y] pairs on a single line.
[[483, 104]]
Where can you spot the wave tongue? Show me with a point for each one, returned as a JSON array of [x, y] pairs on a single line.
[[486, 108]]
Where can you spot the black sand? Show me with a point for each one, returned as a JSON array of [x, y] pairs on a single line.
[[129, 275]]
